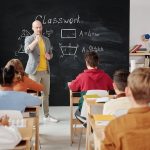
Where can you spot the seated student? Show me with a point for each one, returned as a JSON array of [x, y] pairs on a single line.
[[9, 136], [91, 79], [12, 100], [121, 102], [136, 122], [22, 82]]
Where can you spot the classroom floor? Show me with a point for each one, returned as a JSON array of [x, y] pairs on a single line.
[[56, 136]]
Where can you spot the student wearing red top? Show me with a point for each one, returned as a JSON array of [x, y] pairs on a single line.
[[92, 78]]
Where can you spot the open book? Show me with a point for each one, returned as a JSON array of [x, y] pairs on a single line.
[[102, 119]]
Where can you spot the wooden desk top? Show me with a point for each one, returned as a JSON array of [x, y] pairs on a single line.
[[93, 102]]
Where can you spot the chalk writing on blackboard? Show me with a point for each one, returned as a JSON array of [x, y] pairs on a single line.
[[68, 50], [21, 38], [58, 20], [21, 50], [88, 33], [65, 33], [92, 48], [24, 33], [68, 33], [48, 32]]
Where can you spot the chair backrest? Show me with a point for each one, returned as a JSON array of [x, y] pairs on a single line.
[[100, 93], [136, 140], [74, 130]]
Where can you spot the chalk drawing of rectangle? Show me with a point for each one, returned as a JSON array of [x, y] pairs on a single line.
[[68, 33]]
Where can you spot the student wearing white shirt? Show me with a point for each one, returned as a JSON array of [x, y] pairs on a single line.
[[9, 136], [121, 103]]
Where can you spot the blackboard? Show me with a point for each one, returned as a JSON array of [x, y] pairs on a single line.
[[73, 28]]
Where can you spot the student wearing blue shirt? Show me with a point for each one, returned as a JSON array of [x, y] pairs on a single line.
[[11, 100]]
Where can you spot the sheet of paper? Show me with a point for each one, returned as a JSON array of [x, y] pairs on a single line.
[[102, 99]]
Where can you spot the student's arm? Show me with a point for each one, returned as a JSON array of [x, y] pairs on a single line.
[[9, 137], [75, 85], [33, 85]]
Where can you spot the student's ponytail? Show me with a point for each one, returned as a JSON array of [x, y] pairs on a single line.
[[7, 75]]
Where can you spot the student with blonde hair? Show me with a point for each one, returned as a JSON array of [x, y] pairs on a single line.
[[132, 131], [21, 81]]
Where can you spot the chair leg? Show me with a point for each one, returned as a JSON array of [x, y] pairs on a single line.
[[40, 146], [80, 139]]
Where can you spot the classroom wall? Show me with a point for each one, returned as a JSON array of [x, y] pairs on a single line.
[[139, 20]]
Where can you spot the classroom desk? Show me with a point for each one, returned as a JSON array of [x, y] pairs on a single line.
[[33, 112], [26, 134], [89, 105], [98, 133]]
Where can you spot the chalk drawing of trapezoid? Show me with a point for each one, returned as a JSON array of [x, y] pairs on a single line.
[[68, 50], [24, 33], [68, 33]]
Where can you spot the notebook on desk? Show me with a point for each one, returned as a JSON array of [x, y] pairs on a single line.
[[91, 96], [102, 119]]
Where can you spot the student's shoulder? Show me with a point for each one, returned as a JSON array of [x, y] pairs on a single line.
[[110, 102], [119, 122], [80, 75]]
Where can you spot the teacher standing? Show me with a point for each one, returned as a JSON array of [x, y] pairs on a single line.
[[39, 50]]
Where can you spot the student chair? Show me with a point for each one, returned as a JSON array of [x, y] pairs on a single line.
[[100, 93], [75, 124], [33, 112]]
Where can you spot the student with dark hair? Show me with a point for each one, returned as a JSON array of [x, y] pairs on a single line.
[[132, 130], [92, 78], [121, 103], [6, 78], [12, 100], [21, 81]]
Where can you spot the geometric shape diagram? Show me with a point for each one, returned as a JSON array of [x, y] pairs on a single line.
[[68, 33], [68, 50], [21, 50], [24, 33]]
